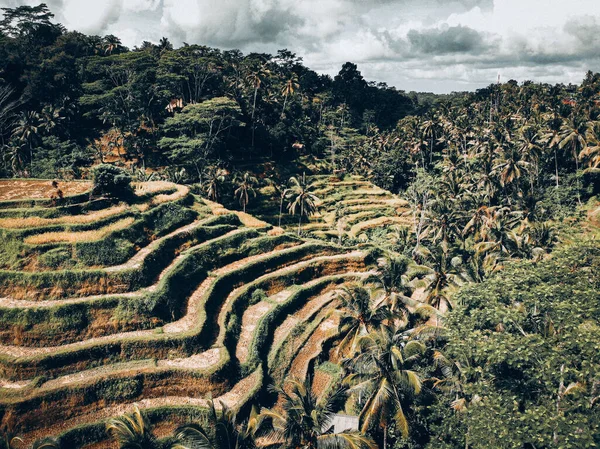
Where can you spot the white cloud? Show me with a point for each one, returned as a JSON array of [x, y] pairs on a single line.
[[90, 16], [413, 44]]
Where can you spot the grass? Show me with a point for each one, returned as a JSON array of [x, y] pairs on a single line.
[[19, 189], [161, 198], [245, 218], [37, 222], [376, 222], [77, 237]]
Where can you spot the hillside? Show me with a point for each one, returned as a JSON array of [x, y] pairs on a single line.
[[158, 302]]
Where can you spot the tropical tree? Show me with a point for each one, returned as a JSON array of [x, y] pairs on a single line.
[[219, 430], [591, 152], [111, 44], [213, 182], [245, 189], [288, 89], [302, 200], [46, 443], [360, 315], [256, 79], [132, 431], [380, 376], [26, 131], [9, 440], [391, 280], [304, 421]]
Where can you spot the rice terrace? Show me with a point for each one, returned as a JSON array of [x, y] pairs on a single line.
[[212, 248]]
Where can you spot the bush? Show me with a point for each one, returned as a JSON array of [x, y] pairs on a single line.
[[168, 217], [120, 390], [104, 252], [56, 258], [111, 181]]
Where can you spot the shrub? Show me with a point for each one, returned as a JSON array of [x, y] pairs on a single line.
[[120, 390], [56, 258], [169, 216], [104, 252], [111, 181]]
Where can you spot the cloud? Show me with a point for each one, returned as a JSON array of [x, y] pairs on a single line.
[[412, 44], [444, 40], [226, 22]]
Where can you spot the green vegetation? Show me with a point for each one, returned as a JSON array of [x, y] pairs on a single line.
[[426, 264]]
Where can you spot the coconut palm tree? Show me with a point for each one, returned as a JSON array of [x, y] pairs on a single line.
[[572, 136], [382, 378], [110, 44], [304, 421], [392, 282], [282, 190], [46, 443], [288, 89], [212, 185], [446, 274], [360, 315], [302, 200], [132, 431], [245, 189], [26, 131], [8, 440], [256, 79], [591, 152], [219, 430]]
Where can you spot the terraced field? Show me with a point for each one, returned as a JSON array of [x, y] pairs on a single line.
[[352, 208], [161, 302]]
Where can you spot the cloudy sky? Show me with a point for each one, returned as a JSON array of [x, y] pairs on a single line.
[[425, 45]]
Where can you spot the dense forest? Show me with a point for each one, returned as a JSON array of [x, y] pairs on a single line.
[[503, 350]]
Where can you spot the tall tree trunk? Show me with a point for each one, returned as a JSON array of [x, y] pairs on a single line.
[[384, 437], [280, 210], [556, 166], [253, 110], [300, 219], [284, 103]]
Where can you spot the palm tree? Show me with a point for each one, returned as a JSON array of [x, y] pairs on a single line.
[[26, 131], [305, 421], [132, 431], [219, 430], [592, 151], [49, 119], [110, 43], [256, 79], [216, 177], [446, 274], [551, 138], [288, 89], [302, 199], [282, 190], [359, 316], [572, 135], [8, 105], [380, 374], [391, 281], [9, 440], [245, 189], [46, 443]]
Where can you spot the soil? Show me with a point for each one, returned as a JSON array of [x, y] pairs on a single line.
[[21, 189]]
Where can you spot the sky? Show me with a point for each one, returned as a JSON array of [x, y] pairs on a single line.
[[424, 45]]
